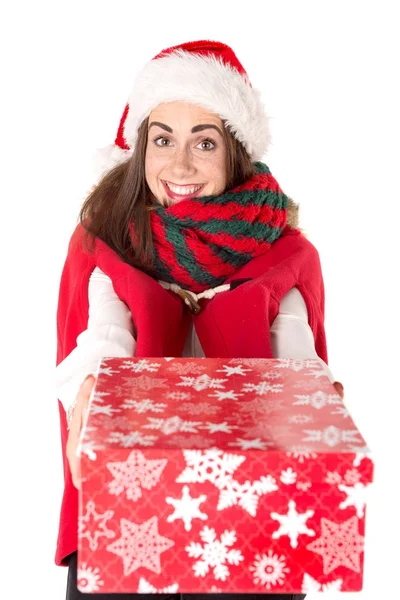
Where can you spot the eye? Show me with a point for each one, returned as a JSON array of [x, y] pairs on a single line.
[[162, 142], [207, 145]]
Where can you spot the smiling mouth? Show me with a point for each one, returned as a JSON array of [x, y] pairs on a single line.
[[182, 191]]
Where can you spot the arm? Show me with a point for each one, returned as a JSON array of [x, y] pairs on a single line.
[[291, 335], [110, 332]]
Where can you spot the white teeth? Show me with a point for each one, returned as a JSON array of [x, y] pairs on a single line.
[[183, 190]]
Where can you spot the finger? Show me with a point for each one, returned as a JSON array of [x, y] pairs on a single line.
[[339, 388]]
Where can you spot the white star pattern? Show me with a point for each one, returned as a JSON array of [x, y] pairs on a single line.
[[229, 395], [133, 438], [256, 444], [214, 554], [139, 366], [92, 525], [293, 524], [186, 508], [172, 425], [140, 546], [340, 544], [102, 409], [136, 471], [144, 406], [356, 496], [222, 427], [239, 370]]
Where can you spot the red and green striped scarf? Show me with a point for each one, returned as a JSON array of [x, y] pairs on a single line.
[[199, 243]]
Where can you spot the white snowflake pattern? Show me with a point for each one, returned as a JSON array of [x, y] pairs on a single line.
[[200, 408], [186, 508], [261, 405], [190, 441], [214, 554], [317, 400], [179, 396], [293, 524], [288, 476], [356, 496], [264, 387], [120, 422], [92, 525], [143, 382], [239, 370], [211, 465], [298, 453], [103, 409], [272, 375], [140, 365], [247, 494], [140, 545], [143, 406], [298, 364], [331, 436], [98, 396], [88, 579], [303, 485], [146, 588], [219, 427], [133, 438], [187, 368], [228, 395], [203, 382], [172, 425], [310, 585], [340, 544], [341, 410], [136, 471], [269, 569], [104, 370], [360, 450], [89, 448], [300, 419], [250, 444], [312, 384]]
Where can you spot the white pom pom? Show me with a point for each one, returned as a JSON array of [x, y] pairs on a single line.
[[107, 158]]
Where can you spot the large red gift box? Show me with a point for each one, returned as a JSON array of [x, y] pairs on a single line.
[[219, 475]]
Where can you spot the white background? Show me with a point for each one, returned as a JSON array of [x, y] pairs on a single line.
[[328, 72]]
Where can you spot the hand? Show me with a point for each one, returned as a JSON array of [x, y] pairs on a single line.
[[339, 388], [75, 427]]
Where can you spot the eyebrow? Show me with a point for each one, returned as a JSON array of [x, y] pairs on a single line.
[[195, 129]]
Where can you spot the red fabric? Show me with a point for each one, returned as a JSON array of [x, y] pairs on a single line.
[[234, 324]]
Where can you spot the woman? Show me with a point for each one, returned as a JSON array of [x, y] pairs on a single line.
[[186, 247]]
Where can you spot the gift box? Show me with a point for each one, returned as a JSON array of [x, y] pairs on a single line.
[[220, 475]]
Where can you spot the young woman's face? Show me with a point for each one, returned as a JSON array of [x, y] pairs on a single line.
[[185, 154]]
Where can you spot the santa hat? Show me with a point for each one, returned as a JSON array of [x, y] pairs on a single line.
[[204, 73]]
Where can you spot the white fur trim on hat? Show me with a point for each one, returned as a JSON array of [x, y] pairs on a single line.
[[207, 82]]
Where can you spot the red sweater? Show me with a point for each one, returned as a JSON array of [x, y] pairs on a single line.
[[162, 320]]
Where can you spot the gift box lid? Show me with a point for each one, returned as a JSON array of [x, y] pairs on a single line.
[[231, 406]]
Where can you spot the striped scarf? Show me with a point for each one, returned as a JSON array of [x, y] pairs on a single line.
[[199, 243]]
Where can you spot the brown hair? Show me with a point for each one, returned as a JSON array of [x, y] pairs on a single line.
[[122, 196]]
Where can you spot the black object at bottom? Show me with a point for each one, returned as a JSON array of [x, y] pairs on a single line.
[[74, 594]]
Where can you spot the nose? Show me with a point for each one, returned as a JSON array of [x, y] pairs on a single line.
[[182, 163]]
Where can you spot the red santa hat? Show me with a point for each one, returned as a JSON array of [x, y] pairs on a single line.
[[204, 73]]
